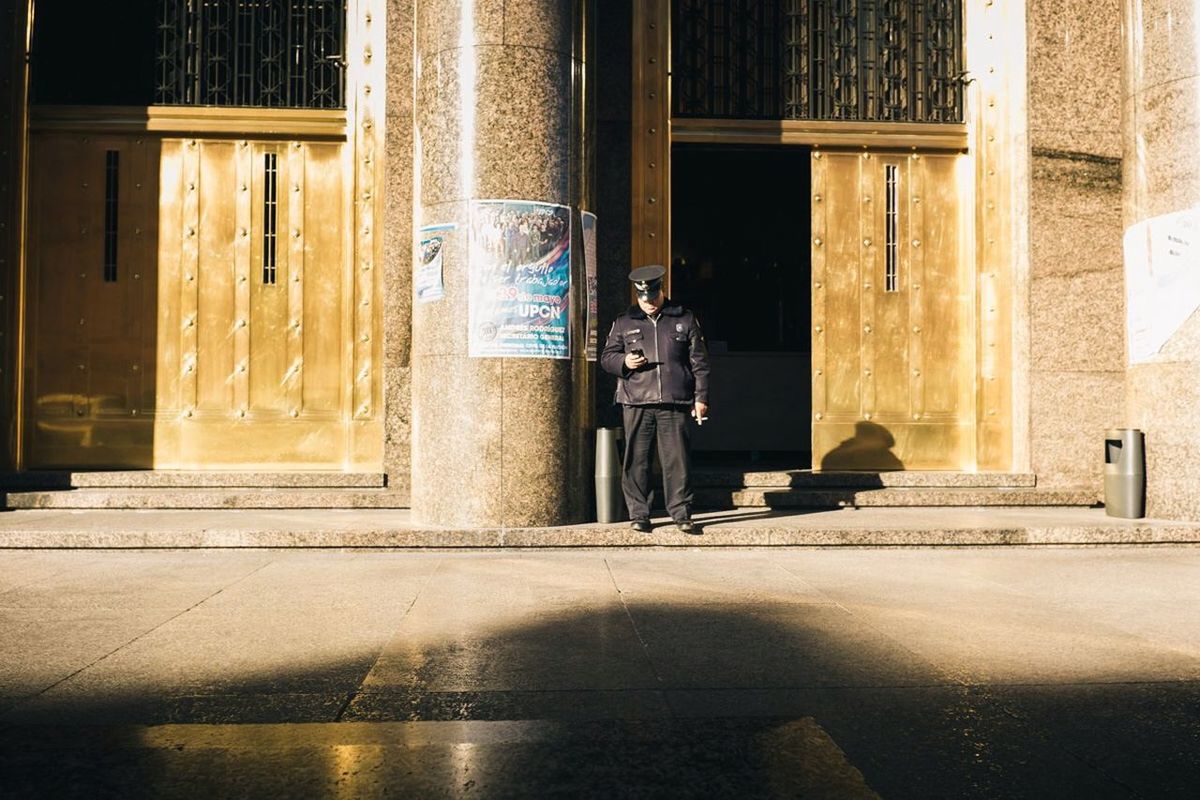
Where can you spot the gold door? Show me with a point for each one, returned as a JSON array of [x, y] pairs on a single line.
[[893, 322], [201, 309], [91, 310], [253, 305]]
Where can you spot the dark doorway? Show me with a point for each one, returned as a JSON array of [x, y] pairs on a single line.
[[740, 228]]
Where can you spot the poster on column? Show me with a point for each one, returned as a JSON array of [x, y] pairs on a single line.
[[589, 268], [428, 283], [520, 280], [1162, 279]]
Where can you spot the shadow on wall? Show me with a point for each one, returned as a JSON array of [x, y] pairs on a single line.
[[704, 699], [869, 449]]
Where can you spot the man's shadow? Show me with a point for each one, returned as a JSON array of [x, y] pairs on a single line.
[[869, 449]]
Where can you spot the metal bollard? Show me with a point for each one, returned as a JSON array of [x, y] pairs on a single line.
[[1124, 473], [610, 504]]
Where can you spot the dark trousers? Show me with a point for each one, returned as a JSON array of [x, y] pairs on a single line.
[[668, 425]]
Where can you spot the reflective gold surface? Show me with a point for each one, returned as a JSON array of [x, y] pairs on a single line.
[[651, 133], [893, 371], [190, 359]]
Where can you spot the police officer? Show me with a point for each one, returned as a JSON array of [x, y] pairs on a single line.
[[657, 352]]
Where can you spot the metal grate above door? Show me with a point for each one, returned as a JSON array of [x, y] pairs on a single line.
[[864, 60]]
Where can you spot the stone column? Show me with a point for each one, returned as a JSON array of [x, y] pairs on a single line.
[[501, 113], [1162, 214]]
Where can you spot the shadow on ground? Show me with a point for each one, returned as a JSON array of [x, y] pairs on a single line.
[[653, 700]]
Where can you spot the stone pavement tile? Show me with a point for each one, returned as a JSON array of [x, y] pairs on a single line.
[[399, 706], [330, 580], [1144, 735], [924, 741], [610, 758], [1151, 592], [719, 577], [779, 645], [26, 567], [159, 709], [982, 631], [117, 580], [554, 648], [40, 648], [219, 651]]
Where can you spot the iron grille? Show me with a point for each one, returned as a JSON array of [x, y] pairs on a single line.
[[257, 53], [868, 60]]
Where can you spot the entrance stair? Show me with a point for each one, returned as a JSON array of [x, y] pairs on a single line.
[[725, 488], [166, 489], [716, 488]]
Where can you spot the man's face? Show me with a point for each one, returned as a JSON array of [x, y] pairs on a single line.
[[653, 305]]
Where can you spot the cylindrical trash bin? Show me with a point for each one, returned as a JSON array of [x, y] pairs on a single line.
[[610, 504], [1124, 473]]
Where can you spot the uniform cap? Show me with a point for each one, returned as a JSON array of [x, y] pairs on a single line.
[[648, 280]]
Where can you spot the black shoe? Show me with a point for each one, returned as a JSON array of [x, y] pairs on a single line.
[[641, 525], [688, 527]]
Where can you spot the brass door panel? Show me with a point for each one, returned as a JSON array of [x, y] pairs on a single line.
[[893, 324], [91, 336], [206, 351], [255, 365]]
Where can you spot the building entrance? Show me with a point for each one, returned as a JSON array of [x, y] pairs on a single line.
[[740, 222]]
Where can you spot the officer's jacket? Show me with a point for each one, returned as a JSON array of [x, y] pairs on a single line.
[[677, 371]]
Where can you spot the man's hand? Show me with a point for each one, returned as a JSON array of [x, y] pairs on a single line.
[[700, 412], [634, 360]]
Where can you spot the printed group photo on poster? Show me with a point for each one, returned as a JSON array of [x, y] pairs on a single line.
[[520, 275]]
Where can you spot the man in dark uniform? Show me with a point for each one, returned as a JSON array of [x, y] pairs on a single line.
[[657, 352]]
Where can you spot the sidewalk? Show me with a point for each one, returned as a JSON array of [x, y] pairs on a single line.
[[339, 528], [845, 673]]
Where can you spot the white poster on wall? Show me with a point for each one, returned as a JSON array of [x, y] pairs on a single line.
[[1162, 279]]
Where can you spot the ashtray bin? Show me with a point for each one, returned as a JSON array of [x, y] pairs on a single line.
[[1124, 473]]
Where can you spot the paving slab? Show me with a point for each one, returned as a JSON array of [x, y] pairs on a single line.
[[672, 672]]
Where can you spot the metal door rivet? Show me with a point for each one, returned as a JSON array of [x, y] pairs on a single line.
[[820, 372], [817, 285], [916, 416], [867, 328], [916, 328], [867, 415], [137, 276], [867, 242], [916, 242], [816, 198], [817, 242], [820, 415], [819, 329]]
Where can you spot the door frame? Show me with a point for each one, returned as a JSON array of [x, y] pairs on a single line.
[[361, 124], [993, 137]]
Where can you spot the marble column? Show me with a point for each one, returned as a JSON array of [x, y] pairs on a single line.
[[1162, 213], [501, 113]]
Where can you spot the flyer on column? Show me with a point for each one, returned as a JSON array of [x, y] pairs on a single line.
[[428, 283], [520, 272], [593, 300]]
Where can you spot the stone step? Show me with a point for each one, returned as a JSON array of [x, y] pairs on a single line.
[[718, 477], [193, 498], [188, 479], [891, 497], [866, 527]]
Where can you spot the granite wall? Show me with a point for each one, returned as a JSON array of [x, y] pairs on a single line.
[[397, 248], [1162, 176], [1076, 304]]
